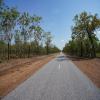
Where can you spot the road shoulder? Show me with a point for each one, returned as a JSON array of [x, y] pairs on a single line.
[[12, 77], [91, 67]]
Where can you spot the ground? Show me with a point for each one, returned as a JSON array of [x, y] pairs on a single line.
[[59, 79], [91, 67], [13, 72]]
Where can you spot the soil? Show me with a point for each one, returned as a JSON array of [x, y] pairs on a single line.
[[14, 72], [91, 67]]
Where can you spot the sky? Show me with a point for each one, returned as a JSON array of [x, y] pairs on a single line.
[[57, 14]]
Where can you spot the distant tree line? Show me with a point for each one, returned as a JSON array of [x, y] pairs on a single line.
[[84, 42], [21, 34]]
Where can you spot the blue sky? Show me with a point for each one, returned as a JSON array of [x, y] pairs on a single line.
[[57, 14]]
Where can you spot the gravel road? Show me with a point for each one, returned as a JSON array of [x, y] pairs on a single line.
[[60, 79]]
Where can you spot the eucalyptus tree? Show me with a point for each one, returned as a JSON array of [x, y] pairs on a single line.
[[88, 24], [34, 31], [24, 21], [18, 43], [2, 8], [30, 29], [9, 17], [48, 40], [17, 37], [78, 36], [37, 37], [30, 36]]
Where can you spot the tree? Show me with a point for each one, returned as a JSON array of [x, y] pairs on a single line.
[[37, 31], [37, 37], [23, 23], [87, 25], [47, 39], [21, 34], [2, 49], [18, 42], [78, 36], [54, 49], [9, 17], [34, 31]]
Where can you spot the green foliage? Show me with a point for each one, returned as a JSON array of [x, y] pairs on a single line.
[[1, 1], [48, 40], [84, 41], [8, 19], [21, 34], [54, 49]]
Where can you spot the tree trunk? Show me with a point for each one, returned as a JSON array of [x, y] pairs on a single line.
[[81, 53], [29, 51], [93, 53], [8, 50], [87, 50], [47, 49]]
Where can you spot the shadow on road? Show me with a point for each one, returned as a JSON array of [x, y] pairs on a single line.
[[73, 58], [62, 58]]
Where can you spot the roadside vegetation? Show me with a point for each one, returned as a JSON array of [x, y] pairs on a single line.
[[22, 41], [21, 35], [84, 47], [84, 42]]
